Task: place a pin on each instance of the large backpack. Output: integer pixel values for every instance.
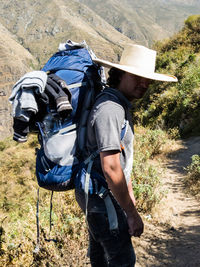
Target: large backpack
(63, 140)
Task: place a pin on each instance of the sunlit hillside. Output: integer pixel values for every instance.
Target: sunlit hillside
(176, 107)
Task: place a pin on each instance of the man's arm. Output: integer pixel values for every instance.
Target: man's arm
(110, 162)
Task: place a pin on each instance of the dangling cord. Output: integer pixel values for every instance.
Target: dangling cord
(50, 218)
(37, 248)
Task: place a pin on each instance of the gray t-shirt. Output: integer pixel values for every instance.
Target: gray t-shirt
(105, 123)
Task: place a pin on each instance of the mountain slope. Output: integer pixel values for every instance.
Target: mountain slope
(15, 60)
(42, 25)
(145, 21)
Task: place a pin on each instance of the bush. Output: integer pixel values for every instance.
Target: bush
(145, 185)
(193, 175)
(150, 143)
(175, 105)
(194, 168)
(146, 177)
(18, 196)
(193, 22)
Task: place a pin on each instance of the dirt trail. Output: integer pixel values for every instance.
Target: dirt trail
(172, 236)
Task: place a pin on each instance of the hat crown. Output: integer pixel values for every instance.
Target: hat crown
(139, 57)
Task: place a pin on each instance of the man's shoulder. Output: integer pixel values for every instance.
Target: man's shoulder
(108, 104)
(109, 98)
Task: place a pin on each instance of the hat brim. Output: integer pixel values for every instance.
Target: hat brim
(138, 72)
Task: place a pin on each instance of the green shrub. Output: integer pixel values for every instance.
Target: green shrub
(150, 142)
(146, 177)
(193, 22)
(194, 168)
(192, 179)
(145, 183)
(175, 105)
(170, 106)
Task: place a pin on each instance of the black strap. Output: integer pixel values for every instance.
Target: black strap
(118, 95)
(37, 248)
(50, 216)
(50, 220)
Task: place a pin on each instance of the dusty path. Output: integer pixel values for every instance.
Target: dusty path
(172, 236)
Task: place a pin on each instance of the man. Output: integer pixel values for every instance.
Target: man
(110, 241)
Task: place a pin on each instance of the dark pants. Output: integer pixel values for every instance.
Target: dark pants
(106, 248)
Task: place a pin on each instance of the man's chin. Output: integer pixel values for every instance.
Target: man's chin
(139, 96)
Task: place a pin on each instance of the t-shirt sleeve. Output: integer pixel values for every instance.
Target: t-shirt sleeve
(108, 123)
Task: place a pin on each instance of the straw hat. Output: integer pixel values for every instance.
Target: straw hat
(138, 60)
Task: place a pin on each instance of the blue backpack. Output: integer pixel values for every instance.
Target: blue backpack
(61, 156)
(63, 140)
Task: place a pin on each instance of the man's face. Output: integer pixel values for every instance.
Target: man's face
(132, 86)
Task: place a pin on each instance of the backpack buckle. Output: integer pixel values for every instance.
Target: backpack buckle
(103, 192)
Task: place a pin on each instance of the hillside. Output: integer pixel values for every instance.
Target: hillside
(145, 21)
(39, 26)
(176, 108)
(171, 216)
(42, 25)
(106, 25)
(15, 60)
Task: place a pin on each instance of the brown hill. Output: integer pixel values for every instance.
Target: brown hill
(145, 21)
(42, 25)
(15, 60)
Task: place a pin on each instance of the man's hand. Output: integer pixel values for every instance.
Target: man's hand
(135, 223)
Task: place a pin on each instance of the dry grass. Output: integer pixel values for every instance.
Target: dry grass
(18, 196)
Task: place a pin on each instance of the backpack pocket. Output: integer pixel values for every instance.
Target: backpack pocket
(53, 176)
(60, 148)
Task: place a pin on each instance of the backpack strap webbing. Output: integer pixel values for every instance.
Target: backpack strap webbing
(104, 193)
(89, 161)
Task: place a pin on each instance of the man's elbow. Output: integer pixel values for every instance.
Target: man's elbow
(110, 163)
(108, 170)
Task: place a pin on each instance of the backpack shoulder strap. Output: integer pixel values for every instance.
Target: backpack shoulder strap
(117, 95)
(124, 102)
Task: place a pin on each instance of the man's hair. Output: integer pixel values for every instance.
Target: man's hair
(114, 77)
